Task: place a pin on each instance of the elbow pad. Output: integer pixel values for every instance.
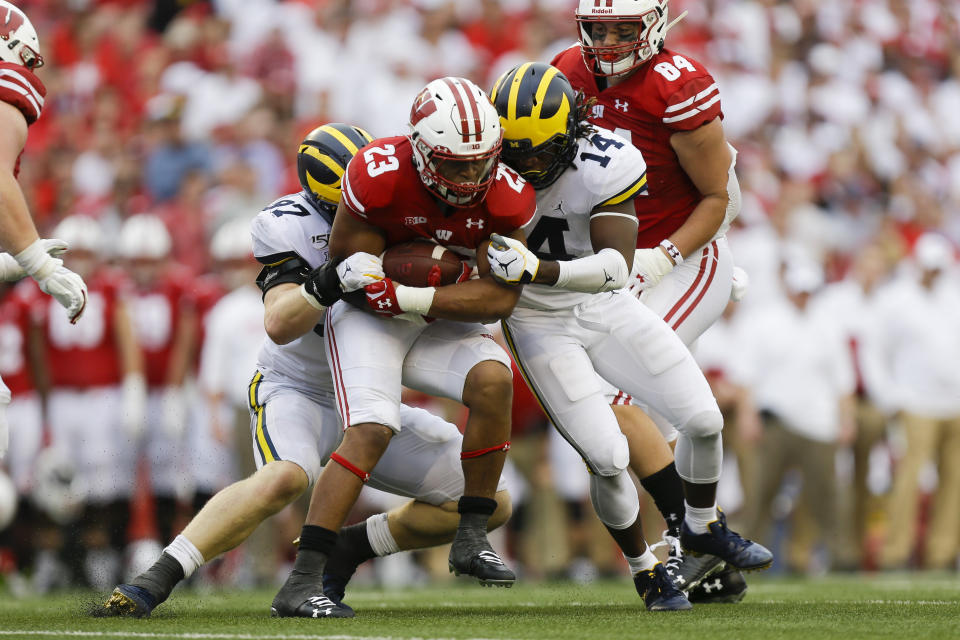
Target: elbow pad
(604, 271)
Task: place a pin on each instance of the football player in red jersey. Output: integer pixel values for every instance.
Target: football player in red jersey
(21, 99)
(96, 402)
(668, 105)
(443, 182)
(164, 321)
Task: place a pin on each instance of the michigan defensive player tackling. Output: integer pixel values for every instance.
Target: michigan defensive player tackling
(668, 105)
(293, 419)
(571, 323)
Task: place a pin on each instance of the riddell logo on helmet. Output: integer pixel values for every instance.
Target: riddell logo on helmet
(423, 106)
(10, 23)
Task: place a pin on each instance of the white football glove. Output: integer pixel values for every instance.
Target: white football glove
(649, 267)
(740, 284)
(10, 269)
(54, 279)
(134, 404)
(510, 261)
(359, 270)
(174, 411)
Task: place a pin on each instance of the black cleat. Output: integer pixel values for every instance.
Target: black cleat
(482, 563)
(686, 569)
(729, 546)
(659, 592)
(126, 601)
(301, 596)
(312, 607)
(725, 587)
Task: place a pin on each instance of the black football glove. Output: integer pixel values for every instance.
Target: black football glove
(323, 283)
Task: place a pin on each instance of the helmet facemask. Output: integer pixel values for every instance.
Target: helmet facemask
(461, 180)
(621, 58)
(543, 164)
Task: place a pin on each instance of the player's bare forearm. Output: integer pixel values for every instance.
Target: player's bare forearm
(17, 230)
(351, 235)
(131, 358)
(184, 345)
(286, 314)
(480, 300)
(705, 157)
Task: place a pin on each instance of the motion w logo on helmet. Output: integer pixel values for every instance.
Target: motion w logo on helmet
(423, 106)
(10, 23)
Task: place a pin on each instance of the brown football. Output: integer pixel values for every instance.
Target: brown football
(422, 264)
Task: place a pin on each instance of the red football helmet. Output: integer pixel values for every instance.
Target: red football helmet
(456, 137)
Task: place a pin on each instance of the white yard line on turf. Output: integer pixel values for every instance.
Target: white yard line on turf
(211, 636)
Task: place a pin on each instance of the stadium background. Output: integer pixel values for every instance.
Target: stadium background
(846, 116)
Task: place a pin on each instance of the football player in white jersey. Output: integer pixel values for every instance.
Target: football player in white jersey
(294, 423)
(572, 326)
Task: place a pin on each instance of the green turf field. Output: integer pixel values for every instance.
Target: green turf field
(848, 607)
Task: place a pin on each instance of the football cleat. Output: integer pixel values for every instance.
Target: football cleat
(658, 590)
(478, 559)
(729, 546)
(301, 596)
(723, 587)
(127, 601)
(686, 569)
(312, 607)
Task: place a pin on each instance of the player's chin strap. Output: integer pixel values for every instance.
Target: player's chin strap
(349, 466)
(674, 22)
(476, 453)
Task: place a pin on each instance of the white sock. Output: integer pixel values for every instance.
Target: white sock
(184, 552)
(697, 518)
(644, 562)
(378, 533)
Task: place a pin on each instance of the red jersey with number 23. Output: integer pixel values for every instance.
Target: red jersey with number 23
(668, 94)
(382, 187)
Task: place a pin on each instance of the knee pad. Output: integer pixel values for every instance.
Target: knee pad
(703, 424)
(615, 499)
(607, 456)
(699, 460)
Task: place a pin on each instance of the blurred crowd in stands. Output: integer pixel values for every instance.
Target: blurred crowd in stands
(837, 372)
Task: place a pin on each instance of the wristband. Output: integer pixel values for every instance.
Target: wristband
(313, 302)
(36, 261)
(415, 299)
(672, 251)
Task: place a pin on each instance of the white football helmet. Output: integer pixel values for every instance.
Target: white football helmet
(82, 233)
(144, 236)
(18, 39)
(232, 241)
(456, 137)
(614, 60)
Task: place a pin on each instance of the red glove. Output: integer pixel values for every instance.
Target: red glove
(382, 298)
